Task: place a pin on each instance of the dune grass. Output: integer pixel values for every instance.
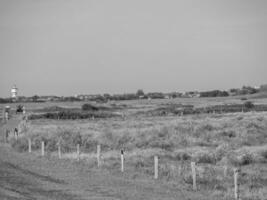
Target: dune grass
(213, 141)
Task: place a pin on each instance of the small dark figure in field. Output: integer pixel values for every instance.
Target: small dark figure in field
(19, 109)
(7, 134)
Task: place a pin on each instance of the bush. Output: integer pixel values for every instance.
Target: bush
(204, 157)
(19, 145)
(264, 154)
(51, 144)
(249, 105)
(89, 107)
(69, 140)
(221, 151)
(89, 144)
(246, 158)
(182, 156)
(229, 133)
(163, 144)
(240, 158)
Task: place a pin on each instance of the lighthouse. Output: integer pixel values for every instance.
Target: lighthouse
(14, 92)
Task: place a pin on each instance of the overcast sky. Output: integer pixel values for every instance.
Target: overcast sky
(63, 47)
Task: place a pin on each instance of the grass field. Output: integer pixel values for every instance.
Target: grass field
(213, 141)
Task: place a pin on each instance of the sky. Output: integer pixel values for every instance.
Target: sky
(68, 47)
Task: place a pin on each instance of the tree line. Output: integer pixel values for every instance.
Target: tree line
(140, 94)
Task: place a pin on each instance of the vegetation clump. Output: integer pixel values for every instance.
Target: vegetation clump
(89, 107)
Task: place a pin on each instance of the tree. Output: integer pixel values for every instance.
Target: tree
(140, 92)
(35, 98)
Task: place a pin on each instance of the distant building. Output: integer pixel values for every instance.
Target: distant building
(14, 92)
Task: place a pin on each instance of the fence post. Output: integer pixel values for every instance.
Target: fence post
(236, 173)
(16, 135)
(78, 151)
(29, 145)
(156, 166)
(43, 148)
(225, 171)
(181, 167)
(193, 166)
(122, 161)
(98, 155)
(59, 151)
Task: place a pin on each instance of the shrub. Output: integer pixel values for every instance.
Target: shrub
(69, 140)
(182, 156)
(264, 154)
(51, 144)
(249, 105)
(229, 134)
(246, 158)
(240, 158)
(124, 140)
(37, 140)
(163, 144)
(20, 145)
(89, 144)
(207, 127)
(221, 151)
(139, 164)
(89, 107)
(204, 157)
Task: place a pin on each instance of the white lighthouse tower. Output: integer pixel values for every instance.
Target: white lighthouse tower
(14, 92)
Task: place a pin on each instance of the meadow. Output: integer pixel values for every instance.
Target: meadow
(217, 142)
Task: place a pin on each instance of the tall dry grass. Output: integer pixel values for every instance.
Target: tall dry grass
(212, 141)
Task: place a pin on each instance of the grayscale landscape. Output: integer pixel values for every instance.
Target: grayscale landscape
(123, 100)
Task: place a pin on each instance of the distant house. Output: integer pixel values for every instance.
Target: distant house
(191, 94)
(166, 97)
(141, 96)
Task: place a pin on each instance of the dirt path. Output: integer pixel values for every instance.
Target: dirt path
(24, 176)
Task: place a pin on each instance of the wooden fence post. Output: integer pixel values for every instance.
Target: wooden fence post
(16, 135)
(29, 145)
(98, 155)
(236, 173)
(122, 161)
(59, 151)
(43, 148)
(156, 167)
(193, 166)
(78, 151)
(181, 167)
(225, 171)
